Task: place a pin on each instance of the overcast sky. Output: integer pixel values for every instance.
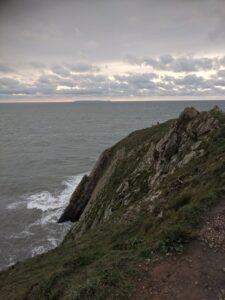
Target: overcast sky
(120, 49)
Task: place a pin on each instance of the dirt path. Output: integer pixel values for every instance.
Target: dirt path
(197, 274)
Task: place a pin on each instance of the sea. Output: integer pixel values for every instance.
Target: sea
(46, 148)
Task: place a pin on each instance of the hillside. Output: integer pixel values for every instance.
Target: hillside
(149, 221)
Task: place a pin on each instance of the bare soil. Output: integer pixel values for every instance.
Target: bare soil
(196, 274)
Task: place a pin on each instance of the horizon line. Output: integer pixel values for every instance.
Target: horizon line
(113, 100)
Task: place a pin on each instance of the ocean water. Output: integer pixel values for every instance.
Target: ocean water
(45, 149)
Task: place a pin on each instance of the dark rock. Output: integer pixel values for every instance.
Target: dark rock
(188, 114)
(84, 190)
(216, 109)
(77, 202)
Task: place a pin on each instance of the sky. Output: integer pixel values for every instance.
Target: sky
(53, 50)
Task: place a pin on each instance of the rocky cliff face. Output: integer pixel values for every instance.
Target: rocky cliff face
(128, 177)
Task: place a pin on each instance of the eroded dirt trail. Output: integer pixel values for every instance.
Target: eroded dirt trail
(197, 274)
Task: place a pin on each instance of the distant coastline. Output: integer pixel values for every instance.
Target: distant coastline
(165, 99)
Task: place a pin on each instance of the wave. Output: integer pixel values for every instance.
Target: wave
(47, 201)
(43, 233)
(15, 205)
(50, 204)
(21, 235)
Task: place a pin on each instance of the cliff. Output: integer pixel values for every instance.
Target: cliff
(152, 203)
(128, 178)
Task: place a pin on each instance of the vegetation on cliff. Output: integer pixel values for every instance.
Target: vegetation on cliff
(146, 198)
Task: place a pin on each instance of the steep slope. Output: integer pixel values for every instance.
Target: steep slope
(146, 198)
(129, 177)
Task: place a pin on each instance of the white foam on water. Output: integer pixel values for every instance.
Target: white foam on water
(53, 203)
(43, 201)
(47, 245)
(21, 235)
(53, 242)
(38, 250)
(16, 205)
(51, 206)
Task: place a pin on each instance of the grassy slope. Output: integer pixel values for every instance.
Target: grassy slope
(101, 264)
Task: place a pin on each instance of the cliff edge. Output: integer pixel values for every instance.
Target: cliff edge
(128, 178)
(149, 221)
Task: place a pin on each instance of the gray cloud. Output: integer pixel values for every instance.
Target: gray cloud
(177, 64)
(138, 82)
(222, 61)
(128, 85)
(189, 80)
(8, 82)
(83, 67)
(80, 67)
(6, 69)
(60, 70)
(221, 73)
(13, 87)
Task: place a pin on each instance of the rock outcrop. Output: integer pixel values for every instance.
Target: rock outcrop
(83, 192)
